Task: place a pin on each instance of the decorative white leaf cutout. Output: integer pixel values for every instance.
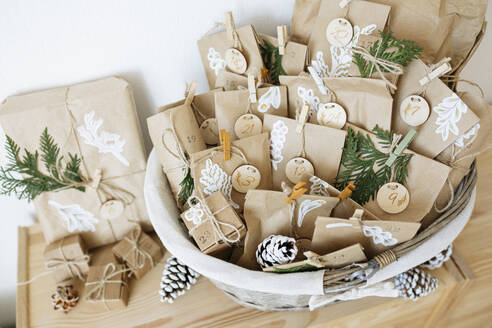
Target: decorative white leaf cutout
(106, 142)
(307, 96)
(318, 187)
(449, 113)
(306, 207)
(215, 179)
(277, 141)
(337, 225)
(270, 98)
(75, 217)
(460, 142)
(379, 236)
(215, 61)
(194, 214)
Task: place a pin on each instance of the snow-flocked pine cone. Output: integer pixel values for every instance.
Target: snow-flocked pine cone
(177, 277)
(438, 260)
(415, 283)
(276, 249)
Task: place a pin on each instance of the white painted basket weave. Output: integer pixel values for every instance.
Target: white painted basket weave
(269, 291)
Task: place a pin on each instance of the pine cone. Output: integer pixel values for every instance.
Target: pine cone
(415, 283)
(177, 278)
(438, 260)
(64, 299)
(275, 250)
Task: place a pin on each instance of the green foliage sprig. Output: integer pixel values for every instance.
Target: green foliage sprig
(398, 51)
(61, 174)
(359, 159)
(187, 185)
(272, 60)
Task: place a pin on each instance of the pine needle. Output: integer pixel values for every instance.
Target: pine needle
(187, 185)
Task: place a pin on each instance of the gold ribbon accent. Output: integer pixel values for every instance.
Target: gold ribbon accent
(136, 253)
(98, 292)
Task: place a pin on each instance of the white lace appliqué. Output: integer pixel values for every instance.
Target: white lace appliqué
(215, 179)
(318, 187)
(460, 142)
(306, 207)
(215, 61)
(194, 214)
(106, 142)
(270, 99)
(307, 96)
(449, 113)
(76, 218)
(379, 236)
(277, 141)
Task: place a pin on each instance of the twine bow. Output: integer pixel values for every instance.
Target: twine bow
(137, 254)
(180, 153)
(99, 291)
(72, 265)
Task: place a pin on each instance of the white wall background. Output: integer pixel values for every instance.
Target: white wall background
(151, 43)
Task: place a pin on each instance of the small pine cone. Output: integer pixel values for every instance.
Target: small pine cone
(177, 278)
(275, 250)
(415, 283)
(64, 299)
(438, 260)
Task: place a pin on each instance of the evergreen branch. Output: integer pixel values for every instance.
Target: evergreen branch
(187, 184)
(272, 60)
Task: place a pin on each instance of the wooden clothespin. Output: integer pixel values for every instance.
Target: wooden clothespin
(282, 38)
(346, 192)
(298, 190)
(344, 3)
(318, 80)
(358, 213)
(229, 23)
(252, 88)
(303, 116)
(401, 147)
(190, 93)
(225, 141)
(314, 259)
(443, 67)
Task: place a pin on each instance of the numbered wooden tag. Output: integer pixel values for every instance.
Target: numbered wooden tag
(247, 125)
(414, 110)
(245, 177)
(111, 209)
(235, 61)
(332, 115)
(339, 32)
(210, 131)
(297, 167)
(393, 198)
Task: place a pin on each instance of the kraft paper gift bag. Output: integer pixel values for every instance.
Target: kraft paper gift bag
(213, 49)
(294, 59)
(320, 145)
(332, 234)
(425, 179)
(175, 135)
(231, 81)
(367, 102)
(303, 18)
(96, 121)
(449, 116)
(267, 213)
(230, 106)
(212, 172)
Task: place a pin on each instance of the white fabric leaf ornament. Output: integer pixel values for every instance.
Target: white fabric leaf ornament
(318, 187)
(75, 217)
(449, 113)
(105, 142)
(270, 99)
(215, 179)
(277, 141)
(460, 142)
(194, 214)
(215, 61)
(379, 236)
(306, 207)
(307, 96)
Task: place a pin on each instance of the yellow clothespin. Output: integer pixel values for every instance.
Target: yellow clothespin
(225, 141)
(345, 193)
(443, 67)
(229, 22)
(344, 3)
(190, 93)
(282, 38)
(252, 88)
(303, 115)
(298, 190)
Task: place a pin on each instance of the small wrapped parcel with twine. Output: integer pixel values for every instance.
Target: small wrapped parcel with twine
(107, 285)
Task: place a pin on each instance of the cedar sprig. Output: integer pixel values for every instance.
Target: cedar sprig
(272, 59)
(360, 158)
(187, 184)
(32, 182)
(398, 51)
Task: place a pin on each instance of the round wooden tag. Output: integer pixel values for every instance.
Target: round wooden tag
(414, 110)
(210, 131)
(297, 167)
(393, 198)
(111, 209)
(247, 125)
(235, 61)
(339, 32)
(332, 115)
(245, 177)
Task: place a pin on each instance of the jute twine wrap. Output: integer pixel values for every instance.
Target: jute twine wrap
(72, 265)
(137, 254)
(98, 292)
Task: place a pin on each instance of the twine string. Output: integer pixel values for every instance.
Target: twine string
(98, 293)
(135, 252)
